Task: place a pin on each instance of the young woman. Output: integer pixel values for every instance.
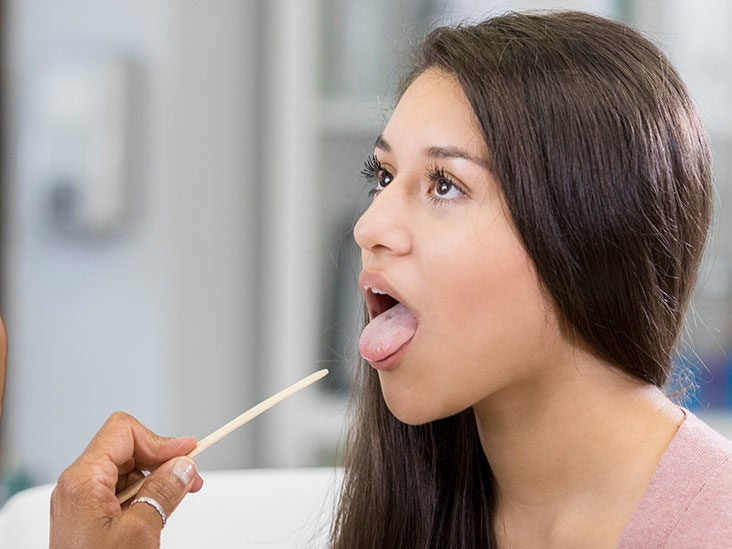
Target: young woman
(541, 203)
(542, 199)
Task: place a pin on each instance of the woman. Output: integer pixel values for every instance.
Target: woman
(542, 200)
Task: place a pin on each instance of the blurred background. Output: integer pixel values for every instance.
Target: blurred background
(179, 182)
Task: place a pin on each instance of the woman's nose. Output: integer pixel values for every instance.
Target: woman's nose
(384, 226)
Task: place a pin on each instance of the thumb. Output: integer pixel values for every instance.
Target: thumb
(167, 486)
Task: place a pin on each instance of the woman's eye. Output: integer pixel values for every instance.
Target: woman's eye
(375, 173)
(383, 178)
(446, 189)
(443, 187)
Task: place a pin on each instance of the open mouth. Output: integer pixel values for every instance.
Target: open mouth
(378, 301)
(392, 326)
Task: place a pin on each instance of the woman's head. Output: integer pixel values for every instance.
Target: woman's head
(472, 317)
(603, 164)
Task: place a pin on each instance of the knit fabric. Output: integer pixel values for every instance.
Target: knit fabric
(688, 503)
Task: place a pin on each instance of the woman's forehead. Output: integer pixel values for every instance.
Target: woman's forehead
(434, 113)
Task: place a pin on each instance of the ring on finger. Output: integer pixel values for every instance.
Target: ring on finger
(152, 502)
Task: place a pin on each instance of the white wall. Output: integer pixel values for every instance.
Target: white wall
(153, 319)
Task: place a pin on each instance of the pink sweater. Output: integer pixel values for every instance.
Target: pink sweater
(688, 503)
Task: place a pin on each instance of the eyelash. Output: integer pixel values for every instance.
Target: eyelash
(372, 168)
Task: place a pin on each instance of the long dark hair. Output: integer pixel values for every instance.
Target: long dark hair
(605, 168)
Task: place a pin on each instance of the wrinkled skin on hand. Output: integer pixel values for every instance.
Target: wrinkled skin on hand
(84, 507)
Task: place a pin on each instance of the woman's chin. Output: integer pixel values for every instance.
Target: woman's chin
(416, 413)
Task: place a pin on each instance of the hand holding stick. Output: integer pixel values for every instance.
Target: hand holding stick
(235, 423)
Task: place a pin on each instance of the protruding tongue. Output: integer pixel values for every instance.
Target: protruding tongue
(386, 333)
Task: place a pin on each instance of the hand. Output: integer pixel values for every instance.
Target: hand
(84, 508)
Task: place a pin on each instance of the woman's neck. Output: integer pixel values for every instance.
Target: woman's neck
(572, 454)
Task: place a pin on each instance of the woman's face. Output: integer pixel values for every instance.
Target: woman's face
(437, 237)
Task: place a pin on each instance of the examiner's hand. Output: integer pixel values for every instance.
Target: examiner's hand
(84, 507)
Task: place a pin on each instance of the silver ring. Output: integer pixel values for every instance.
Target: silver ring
(154, 504)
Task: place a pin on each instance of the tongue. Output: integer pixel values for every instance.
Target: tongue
(386, 333)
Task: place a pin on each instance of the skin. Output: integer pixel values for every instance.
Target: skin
(3, 362)
(84, 507)
(572, 441)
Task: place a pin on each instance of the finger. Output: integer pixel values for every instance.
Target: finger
(122, 438)
(122, 441)
(128, 480)
(168, 485)
(127, 467)
(197, 485)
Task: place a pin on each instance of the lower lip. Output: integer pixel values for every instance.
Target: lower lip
(393, 360)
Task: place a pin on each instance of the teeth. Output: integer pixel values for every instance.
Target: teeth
(377, 291)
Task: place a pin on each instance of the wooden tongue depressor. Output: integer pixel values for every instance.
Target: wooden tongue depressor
(234, 424)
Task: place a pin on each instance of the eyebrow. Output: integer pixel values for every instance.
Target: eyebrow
(439, 152)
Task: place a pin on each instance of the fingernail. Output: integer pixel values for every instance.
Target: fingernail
(185, 470)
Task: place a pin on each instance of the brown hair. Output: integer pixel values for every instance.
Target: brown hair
(605, 169)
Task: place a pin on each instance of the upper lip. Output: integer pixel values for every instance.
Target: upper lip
(376, 305)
